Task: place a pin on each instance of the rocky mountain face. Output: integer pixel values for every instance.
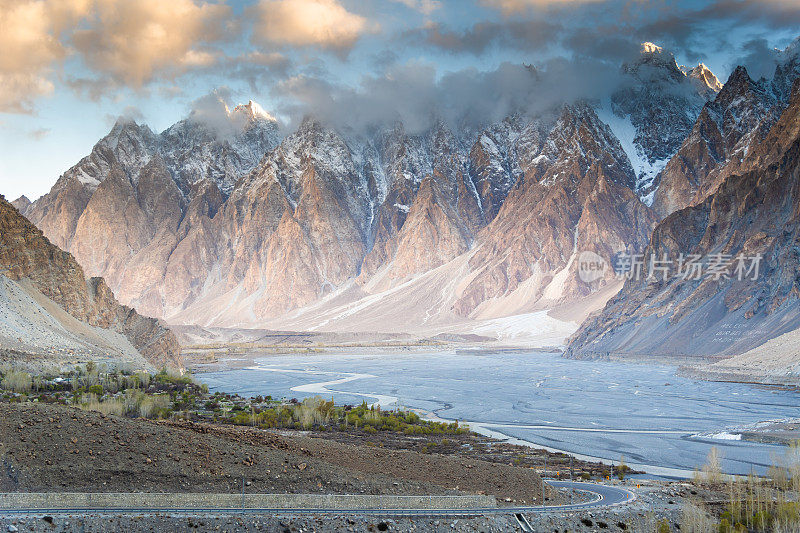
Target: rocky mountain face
(745, 235)
(232, 225)
(192, 149)
(22, 204)
(581, 186)
(123, 209)
(32, 264)
(725, 131)
(654, 110)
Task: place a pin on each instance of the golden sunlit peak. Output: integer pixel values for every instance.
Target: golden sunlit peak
(650, 48)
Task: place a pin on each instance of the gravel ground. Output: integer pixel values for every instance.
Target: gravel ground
(54, 448)
(180, 524)
(46, 448)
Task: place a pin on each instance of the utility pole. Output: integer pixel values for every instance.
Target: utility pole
(544, 475)
(571, 492)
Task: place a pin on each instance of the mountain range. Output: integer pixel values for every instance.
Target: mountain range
(741, 207)
(243, 223)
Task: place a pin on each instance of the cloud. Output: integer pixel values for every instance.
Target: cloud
(256, 68)
(525, 35)
(19, 90)
(39, 133)
(133, 42)
(89, 88)
(416, 95)
(123, 43)
(322, 23)
(212, 108)
(515, 6)
(426, 7)
(29, 47)
(215, 111)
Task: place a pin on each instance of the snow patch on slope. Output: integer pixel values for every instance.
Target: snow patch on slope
(536, 327)
(625, 132)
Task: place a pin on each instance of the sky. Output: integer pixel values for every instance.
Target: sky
(70, 68)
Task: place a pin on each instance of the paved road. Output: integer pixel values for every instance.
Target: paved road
(602, 496)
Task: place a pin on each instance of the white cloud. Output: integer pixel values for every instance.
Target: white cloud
(19, 90)
(29, 47)
(124, 42)
(322, 23)
(132, 42)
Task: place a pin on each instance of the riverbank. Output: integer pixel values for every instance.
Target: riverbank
(46, 447)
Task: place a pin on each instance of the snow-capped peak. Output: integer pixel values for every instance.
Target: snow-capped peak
(703, 74)
(790, 52)
(650, 48)
(254, 110)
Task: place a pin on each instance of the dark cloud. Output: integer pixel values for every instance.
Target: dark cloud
(525, 35)
(257, 68)
(776, 13)
(414, 94)
(93, 89)
(384, 59)
(602, 44)
(759, 58)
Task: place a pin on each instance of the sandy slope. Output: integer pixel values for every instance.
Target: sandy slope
(33, 324)
(423, 307)
(778, 358)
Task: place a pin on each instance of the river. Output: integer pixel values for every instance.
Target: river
(658, 421)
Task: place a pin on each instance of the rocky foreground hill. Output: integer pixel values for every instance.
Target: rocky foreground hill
(50, 313)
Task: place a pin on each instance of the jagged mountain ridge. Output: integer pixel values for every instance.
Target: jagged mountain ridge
(654, 110)
(325, 212)
(582, 185)
(726, 129)
(193, 150)
(753, 212)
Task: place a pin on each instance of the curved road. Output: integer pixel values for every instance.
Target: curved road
(603, 496)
